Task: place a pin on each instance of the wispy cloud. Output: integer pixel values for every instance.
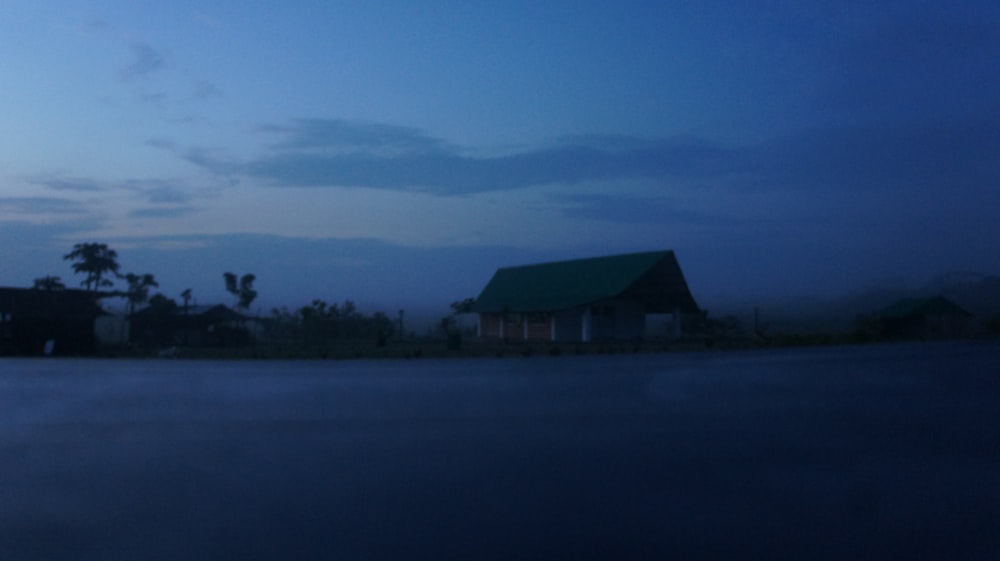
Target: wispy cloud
(337, 135)
(205, 90)
(162, 212)
(41, 205)
(159, 191)
(319, 153)
(68, 184)
(144, 61)
(887, 158)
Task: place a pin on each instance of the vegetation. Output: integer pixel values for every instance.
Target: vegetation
(49, 283)
(95, 260)
(243, 289)
(138, 289)
(321, 323)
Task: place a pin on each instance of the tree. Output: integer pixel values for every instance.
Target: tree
(462, 306)
(138, 289)
(186, 297)
(243, 289)
(137, 293)
(96, 260)
(49, 283)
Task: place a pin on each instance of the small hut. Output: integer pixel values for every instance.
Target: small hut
(924, 318)
(35, 322)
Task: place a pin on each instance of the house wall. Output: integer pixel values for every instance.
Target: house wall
(513, 327)
(71, 336)
(613, 320)
(489, 325)
(944, 326)
(930, 326)
(617, 320)
(569, 325)
(539, 326)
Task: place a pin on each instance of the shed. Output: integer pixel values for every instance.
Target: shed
(598, 298)
(30, 318)
(924, 318)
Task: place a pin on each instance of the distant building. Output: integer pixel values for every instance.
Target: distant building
(213, 325)
(35, 322)
(595, 299)
(924, 318)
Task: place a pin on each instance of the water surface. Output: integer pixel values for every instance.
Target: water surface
(833, 453)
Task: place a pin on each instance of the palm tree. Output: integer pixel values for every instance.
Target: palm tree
(243, 290)
(138, 289)
(96, 260)
(137, 293)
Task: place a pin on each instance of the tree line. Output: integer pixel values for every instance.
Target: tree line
(100, 268)
(312, 324)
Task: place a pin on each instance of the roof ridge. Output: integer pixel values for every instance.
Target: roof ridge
(592, 258)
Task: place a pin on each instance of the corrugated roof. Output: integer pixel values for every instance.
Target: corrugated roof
(653, 278)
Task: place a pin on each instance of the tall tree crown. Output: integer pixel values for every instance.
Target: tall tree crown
(96, 261)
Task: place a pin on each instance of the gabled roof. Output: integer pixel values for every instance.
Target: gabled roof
(910, 307)
(653, 278)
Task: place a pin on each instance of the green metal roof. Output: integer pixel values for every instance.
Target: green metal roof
(654, 278)
(909, 307)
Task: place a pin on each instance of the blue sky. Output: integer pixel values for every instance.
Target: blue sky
(396, 153)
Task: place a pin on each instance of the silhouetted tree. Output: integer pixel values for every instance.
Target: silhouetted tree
(138, 289)
(96, 260)
(462, 306)
(137, 293)
(49, 283)
(243, 289)
(186, 297)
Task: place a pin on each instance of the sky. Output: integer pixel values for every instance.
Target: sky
(397, 153)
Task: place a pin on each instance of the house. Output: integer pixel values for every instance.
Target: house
(595, 299)
(924, 318)
(211, 325)
(35, 322)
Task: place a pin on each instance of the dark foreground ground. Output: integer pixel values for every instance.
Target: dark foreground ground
(889, 452)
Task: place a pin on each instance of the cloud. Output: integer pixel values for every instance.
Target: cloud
(884, 158)
(161, 144)
(41, 205)
(205, 90)
(162, 212)
(353, 136)
(144, 61)
(159, 191)
(321, 153)
(69, 184)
